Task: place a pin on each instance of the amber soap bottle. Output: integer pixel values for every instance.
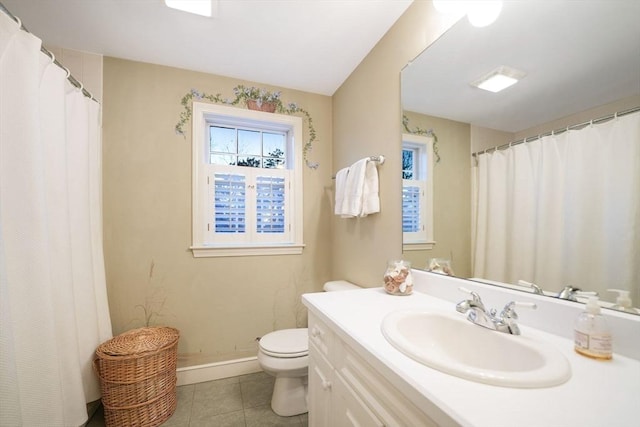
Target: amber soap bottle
(592, 336)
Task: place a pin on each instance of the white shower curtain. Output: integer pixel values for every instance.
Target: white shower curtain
(562, 210)
(53, 302)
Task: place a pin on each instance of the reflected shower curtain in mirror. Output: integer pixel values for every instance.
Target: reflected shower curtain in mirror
(53, 302)
(562, 210)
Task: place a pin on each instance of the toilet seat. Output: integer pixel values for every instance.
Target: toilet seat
(286, 343)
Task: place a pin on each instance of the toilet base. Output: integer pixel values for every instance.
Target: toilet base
(289, 396)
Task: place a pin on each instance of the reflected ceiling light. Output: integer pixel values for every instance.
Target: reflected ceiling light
(199, 7)
(480, 13)
(483, 13)
(499, 79)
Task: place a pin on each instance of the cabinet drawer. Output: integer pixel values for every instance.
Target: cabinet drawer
(349, 410)
(379, 394)
(321, 336)
(320, 389)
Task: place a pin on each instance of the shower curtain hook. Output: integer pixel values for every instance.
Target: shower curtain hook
(67, 70)
(53, 58)
(19, 22)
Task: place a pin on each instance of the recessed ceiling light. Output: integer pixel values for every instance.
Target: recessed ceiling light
(499, 79)
(199, 7)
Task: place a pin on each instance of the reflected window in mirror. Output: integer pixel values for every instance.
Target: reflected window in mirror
(417, 192)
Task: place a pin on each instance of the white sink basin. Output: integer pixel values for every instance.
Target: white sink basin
(454, 345)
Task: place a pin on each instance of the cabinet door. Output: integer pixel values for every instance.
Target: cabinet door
(321, 336)
(320, 389)
(348, 409)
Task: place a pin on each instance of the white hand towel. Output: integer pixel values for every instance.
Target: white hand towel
(341, 180)
(370, 197)
(353, 192)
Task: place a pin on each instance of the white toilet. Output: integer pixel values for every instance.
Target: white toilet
(285, 355)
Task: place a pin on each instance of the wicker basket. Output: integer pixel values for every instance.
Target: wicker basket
(137, 371)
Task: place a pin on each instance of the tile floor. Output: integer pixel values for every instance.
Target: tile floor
(243, 401)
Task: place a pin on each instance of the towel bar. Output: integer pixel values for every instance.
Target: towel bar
(378, 159)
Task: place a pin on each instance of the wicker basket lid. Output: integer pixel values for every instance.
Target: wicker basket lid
(137, 341)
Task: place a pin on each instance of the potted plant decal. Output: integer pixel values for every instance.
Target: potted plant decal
(254, 99)
(258, 99)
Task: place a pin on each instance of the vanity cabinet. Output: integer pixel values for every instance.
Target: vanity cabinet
(344, 390)
(357, 377)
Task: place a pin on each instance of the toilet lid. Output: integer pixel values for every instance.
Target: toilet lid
(286, 343)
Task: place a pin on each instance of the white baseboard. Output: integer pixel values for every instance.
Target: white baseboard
(218, 370)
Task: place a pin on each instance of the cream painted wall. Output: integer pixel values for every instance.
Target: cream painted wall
(584, 116)
(367, 120)
(220, 305)
(84, 66)
(451, 196)
(483, 138)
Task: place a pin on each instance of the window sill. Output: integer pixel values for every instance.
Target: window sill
(418, 246)
(227, 251)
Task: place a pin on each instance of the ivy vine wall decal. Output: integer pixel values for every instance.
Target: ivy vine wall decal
(253, 98)
(423, 132)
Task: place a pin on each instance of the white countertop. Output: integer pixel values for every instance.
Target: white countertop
(599, 393)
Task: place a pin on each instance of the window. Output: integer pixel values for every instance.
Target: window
(417, 192)
(247, 182)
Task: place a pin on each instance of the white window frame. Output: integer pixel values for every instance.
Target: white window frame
(205, 114)
(423, 174)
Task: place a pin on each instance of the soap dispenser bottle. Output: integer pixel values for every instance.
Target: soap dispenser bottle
(592, 334)
(623, 302)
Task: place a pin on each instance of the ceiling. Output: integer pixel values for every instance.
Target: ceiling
(577, 55)
(310, 45)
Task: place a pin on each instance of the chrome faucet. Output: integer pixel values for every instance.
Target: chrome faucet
(569, 293)
(475, 308)
(476, 313)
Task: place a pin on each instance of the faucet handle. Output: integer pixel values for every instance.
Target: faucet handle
(475, 301)
(474, 295)
(586, 293)
(509, 310)
(536, 289)
(508, 317)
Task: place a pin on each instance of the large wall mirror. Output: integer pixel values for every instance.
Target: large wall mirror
(497, 217)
